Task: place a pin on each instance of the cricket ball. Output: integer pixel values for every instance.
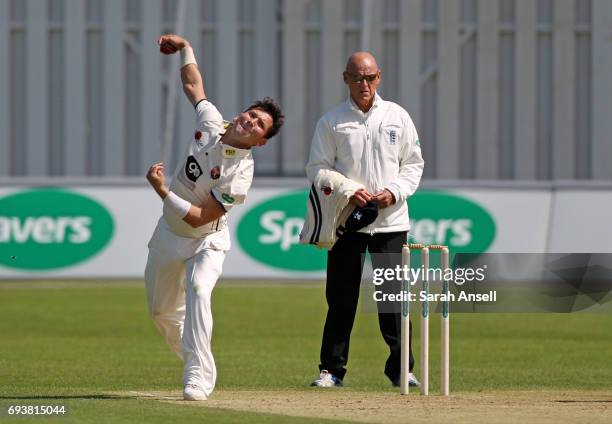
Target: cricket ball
(167, 47)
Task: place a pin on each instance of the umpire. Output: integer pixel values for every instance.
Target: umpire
(373, 142)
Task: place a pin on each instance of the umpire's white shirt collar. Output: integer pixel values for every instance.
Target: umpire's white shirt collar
(377, 102)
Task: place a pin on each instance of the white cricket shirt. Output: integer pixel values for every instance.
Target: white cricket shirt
(210, 168)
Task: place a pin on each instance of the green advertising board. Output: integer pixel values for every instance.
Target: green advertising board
(269, 232)
(47, 229)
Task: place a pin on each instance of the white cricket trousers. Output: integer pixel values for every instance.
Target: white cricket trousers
(183, 315)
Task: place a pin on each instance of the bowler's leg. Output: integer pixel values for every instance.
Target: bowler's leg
(202, 273)
(166, 297)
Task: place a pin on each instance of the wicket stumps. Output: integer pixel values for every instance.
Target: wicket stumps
(444, 330)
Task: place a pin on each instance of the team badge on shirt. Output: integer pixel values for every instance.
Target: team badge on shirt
(192, 169)
(392, 137)
(215, 173)
(198, 138)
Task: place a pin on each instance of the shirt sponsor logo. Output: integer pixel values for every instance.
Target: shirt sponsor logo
(229, 199)
(192, 169)
(229, 153)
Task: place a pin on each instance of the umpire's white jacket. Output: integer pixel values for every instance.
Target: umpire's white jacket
(379, 149)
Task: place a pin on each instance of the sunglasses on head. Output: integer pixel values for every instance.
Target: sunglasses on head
(359, 78)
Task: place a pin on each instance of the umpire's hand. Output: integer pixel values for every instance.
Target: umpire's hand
(383, 198)
(360, 198)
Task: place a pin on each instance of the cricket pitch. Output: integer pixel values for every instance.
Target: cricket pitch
(369, 407)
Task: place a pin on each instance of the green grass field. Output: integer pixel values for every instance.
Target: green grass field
(80, 344)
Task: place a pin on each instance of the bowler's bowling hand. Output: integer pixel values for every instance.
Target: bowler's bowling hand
(171, 43)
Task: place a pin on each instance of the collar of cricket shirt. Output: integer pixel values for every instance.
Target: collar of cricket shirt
(354, 107)
(227, 151)
(231, 152)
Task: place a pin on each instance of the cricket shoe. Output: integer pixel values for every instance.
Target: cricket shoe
(327, 379)
(193, 392)
(412, 381)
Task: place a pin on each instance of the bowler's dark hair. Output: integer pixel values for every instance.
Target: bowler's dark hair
(269, 105)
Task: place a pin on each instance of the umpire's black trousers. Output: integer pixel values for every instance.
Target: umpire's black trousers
(344, 267)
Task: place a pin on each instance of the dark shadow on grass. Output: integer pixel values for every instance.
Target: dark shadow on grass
(51, 397)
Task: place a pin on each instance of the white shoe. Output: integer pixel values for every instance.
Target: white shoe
(193, 392)
(327, 379)
(412, 381)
